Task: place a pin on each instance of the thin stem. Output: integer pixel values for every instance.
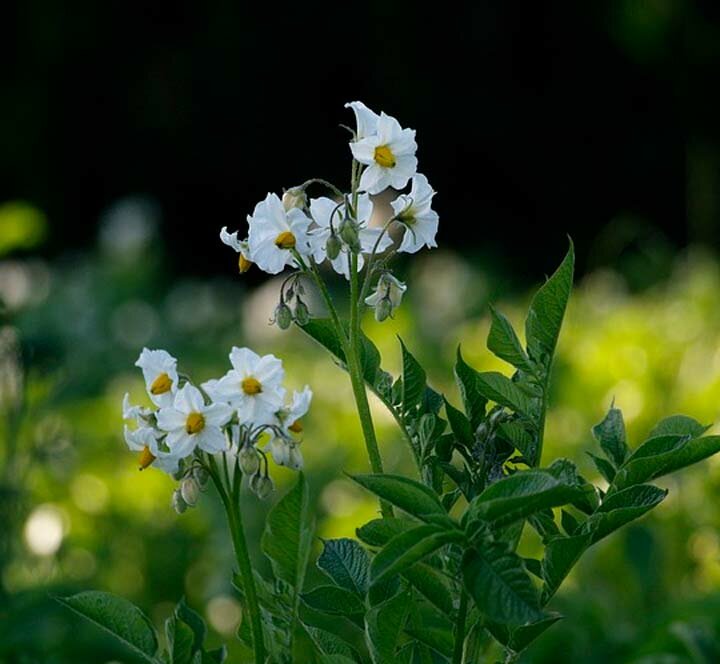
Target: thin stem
(371, 260)
(460, 629)
(237, 533)
(324, 183)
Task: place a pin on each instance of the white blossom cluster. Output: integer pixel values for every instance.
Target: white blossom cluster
(294, 231)
(230, 414)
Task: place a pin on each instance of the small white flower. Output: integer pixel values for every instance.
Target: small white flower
(389, 155)
(241, 246)
(414, 211)
(160, 372)
(191, 423)
(274, 232)
(322, 209)
(388, 292)
(253, 386)
(145, 441)
(365, 119)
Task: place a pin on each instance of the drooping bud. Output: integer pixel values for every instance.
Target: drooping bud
(333, 246)
(294, 198)
(248, 459)
(177, 502)
(283, 316)
(201, 476)
(349, 235)
(383, 309)
(302, 314)
(295, 459)
(261, 485)
(190, 491)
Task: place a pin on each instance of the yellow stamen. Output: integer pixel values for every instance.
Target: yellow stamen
(244, 264)
(146, 458)
(195, 423)
(286, 240)
(161, 385)
(296, 426)
(251, 386)
(384, 156)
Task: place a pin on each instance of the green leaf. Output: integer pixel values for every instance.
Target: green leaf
(547, 310)
(336, 659)
(216, 656)
(437, 638)
(504, 343)
(473, 400)
(408, 548)
(518, 496)
(623, 507)
(517, 434)
(193, 620)
(383, 625)
(180, 639)
(410, 496)
(287, 537)
(331, 645)
(379, 532)
(604, 467)
(569, 522)
(561, 554)
(125, 621)
(414, 378)
(679, 425)
(346, 563)
(519, 638)
(500, 389)
(663, 455)
(496, 579)
(610, 433)
(432, 586)
(460, 425)
(334, 600)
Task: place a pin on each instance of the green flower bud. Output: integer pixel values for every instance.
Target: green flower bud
(283, 316)
(294, 198)
(190, 491)
(261, 485)
(201, 476)
(177, 502)
(333, 247)
(383, 309)
(302, 314)
(248, 459)
(349, 235)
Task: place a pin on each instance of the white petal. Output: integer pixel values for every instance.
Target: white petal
(230, 239)
(217, 414)
(244, 360)
(169, 419)
(365, 119)
(364, 150)
(374, 179)
(212, 440)
(180, 443)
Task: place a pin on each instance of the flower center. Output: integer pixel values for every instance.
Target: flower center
(286, 240)
(296, 427)
(161, 385)
(243, 264)
(251, 386)
(384, 156)
(146, 458)
(195, 423)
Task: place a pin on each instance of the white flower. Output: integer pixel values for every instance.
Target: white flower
(241, 246)
(284, 450)
(274, 232)
(190, 423)
(253, 386)
(321, 209)
(388, 293)
(414, 211)
(389, 155)
(136, 414)
(145, 441)
(365, 119)
(160, 372)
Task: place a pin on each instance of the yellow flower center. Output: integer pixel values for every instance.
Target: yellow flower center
(384, 156)
(163, 383)
(146, 458)
(296, 427)
(244, 264)
(251, 386)
(195, 423)
(286, 240)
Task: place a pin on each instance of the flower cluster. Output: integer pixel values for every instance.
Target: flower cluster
(233, 414)
(302, 233)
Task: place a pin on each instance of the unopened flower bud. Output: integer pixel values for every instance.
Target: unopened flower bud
(294, 198)
(178, 503)
(349, 235)
(383, 309)
(201, 476)
(190, 491)
(283, 316)
(295, 459)
(248, 459)
(302, 315)
(261, 485)
(333, 247)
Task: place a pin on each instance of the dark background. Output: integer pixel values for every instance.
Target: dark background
(598, 119)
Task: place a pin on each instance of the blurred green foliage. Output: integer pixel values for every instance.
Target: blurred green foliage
(77, 513)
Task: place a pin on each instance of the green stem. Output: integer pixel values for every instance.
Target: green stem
(460, 629)
(242, 556)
